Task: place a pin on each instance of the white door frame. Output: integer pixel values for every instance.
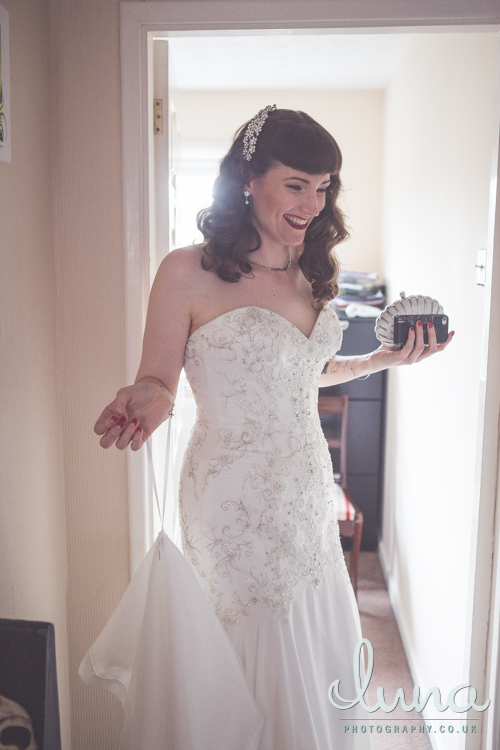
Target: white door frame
(138, 21)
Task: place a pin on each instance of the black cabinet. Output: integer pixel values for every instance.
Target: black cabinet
(365, 440)
(28, 679)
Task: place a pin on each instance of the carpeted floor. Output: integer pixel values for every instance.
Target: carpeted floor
(390, 669)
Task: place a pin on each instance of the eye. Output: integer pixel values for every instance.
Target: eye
(295, 187)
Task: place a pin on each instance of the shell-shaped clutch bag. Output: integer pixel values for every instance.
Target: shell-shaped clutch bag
(415, 305)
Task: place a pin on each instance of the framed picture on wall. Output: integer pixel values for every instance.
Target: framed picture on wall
(4, 86)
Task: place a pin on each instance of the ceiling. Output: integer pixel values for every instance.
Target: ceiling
(291, 61)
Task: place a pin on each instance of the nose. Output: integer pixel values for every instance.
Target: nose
(311, 203)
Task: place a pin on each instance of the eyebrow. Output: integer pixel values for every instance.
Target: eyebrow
(301, 179)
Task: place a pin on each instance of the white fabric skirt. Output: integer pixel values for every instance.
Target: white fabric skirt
(290, 666)
(187, 684)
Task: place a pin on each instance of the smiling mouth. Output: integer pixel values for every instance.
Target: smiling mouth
(296, 222)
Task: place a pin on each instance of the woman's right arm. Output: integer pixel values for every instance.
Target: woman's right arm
(340, 369)
(139, 409)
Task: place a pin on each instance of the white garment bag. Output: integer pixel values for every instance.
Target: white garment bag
(166, 656)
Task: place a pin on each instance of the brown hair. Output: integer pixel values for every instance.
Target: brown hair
(299, 142)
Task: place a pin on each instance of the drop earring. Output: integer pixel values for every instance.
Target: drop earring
(247, 196)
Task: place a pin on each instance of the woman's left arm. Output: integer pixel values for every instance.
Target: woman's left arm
(342, 369)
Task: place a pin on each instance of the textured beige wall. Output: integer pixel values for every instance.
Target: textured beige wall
(32, 516)
(89, 267)
(355, 119)
(440, 132)
(61, 363)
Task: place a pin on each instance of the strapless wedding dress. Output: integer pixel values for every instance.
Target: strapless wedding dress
(273, 619)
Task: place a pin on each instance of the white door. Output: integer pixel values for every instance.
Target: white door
(163, 169)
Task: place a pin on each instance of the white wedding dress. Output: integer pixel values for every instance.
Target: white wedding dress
(236, 648)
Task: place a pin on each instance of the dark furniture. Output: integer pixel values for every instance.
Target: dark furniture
(366, 431)
(350, 527)
(28, 677)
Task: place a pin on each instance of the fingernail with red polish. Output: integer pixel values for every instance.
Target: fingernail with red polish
(419, 324)
(114, 418)
(429, 325)
(121, 423)
(412, 329)
(134, 422)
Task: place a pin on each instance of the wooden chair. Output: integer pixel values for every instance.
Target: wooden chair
(349, 516)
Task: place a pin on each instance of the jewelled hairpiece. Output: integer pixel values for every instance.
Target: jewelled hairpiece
(253, 129)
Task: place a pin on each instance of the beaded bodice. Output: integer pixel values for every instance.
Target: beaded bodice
(256, 499)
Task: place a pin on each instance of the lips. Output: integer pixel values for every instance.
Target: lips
(296, 222)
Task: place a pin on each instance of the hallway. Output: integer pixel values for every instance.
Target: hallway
(390, 668)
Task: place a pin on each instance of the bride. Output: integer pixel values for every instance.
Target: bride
(246, 314)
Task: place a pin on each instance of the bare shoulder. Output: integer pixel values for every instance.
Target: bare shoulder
(179, 283)
(182, 264)
(180, 276)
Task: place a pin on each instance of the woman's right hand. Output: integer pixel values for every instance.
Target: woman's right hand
(134, 415)
(139, 409)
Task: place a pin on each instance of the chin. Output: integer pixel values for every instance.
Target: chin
(297, 241)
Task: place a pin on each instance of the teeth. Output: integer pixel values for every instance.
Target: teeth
(294, 220)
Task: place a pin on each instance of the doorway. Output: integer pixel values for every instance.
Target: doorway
(473, 570)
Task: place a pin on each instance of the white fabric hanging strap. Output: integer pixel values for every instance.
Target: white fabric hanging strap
(161, 511)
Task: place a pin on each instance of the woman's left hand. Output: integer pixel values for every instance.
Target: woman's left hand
(413, 351)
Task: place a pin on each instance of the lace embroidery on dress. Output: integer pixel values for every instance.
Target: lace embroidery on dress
(256, 499)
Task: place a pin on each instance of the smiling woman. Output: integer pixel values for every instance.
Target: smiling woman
(245, 314)
(291, 177)
(285, 198)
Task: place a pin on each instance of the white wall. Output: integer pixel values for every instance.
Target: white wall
(64, 543)
(33, 580)
(438, 150)
(354, 118)
(89, 264)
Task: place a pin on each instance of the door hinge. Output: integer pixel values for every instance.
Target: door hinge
(158, 116)
(481, 267)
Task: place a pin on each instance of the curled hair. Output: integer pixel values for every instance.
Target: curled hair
(299, 142)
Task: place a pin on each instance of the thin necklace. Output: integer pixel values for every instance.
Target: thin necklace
(270, 268)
